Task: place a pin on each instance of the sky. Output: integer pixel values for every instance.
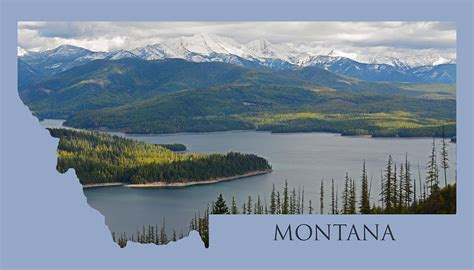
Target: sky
(363, 38)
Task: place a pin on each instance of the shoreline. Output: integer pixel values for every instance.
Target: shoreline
(111, 184)
(193, 183)
(178, 184)
(125, 134)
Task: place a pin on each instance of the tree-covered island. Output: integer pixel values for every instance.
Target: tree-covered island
(103, 159)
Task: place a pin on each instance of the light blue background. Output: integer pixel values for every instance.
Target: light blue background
(46, 221)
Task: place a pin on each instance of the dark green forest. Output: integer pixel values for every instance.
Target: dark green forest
(172, 95)
(102, 158)
(277, 109)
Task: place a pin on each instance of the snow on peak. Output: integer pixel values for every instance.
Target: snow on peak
(204, 44)
(262, 48)
(66, 50)
(120, 54)
(438, 60)
(149, 52)
(337, 53)
(211, 47)
(406, 62)
(21, 51)
(288, 52)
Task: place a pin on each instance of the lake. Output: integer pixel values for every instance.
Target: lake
(304, 159)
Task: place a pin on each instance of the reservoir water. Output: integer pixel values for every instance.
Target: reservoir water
(303, 159)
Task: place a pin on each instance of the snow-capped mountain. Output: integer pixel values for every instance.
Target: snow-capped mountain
(188, 47)
(58, 59)
(408, 62)
(119, 55)
(257, 53)
(427, 60)
(149, 52)
(340, 54)
(21, 51)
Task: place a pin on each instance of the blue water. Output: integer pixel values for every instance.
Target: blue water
(304, 159)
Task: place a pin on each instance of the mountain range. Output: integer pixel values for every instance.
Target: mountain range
(204, 47)
(210, 83)
(108, 83)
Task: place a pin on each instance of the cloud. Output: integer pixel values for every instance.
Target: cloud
(368, 37)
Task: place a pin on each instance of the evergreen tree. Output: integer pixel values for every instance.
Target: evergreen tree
(401, 183)
(395, 198)
(265, 202)
(273, 204)
(293, 202)
(220, 207)
(387, 185)
(437, 175)
(420, 182)
(122, 241)
(298, 202)
(346, 196)
(234, 208)
(204, 227)
(321, 198)
(259, 206)
(151, 234)
(352, 197)
(432, 176)
(249, 205)
(302, 201)
(364, 199)
(414, 193)
(163, 238)
(382, 191)
(194, 225)
(444, 158)
(310, 207)
(278, 211)
(409, 187)
(285, 207)
(333, 199)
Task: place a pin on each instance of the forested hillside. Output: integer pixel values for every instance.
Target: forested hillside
(277, 109)
(174, 95)
(105, 83)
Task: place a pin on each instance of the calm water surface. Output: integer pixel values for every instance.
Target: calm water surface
(304, 159)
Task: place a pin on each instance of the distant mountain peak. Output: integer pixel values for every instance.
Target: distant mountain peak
(22, 52)
(67, 50)
(338, 53)
(202, 46)
(120, 54)
(208, 47)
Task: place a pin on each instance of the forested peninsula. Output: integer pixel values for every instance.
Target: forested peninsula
(102, 160)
